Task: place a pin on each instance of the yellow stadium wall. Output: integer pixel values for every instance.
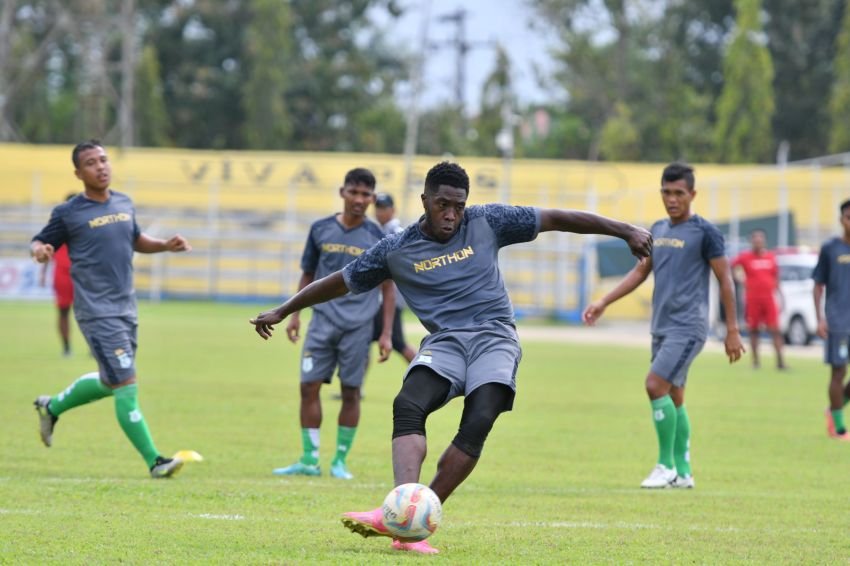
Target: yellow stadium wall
(307, 182)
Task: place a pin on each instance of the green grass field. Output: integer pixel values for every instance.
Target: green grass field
(557, 483)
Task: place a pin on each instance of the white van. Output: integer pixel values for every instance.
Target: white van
(797, 318)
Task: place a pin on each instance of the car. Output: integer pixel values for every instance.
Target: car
(798, 320)
(797, 317)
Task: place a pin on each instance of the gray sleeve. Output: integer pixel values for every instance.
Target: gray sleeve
(369, 269)
(310, 257)
(512, 224)
(713, 245)
(56, 232)
(821, 272)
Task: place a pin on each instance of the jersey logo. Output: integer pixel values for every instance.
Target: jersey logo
(330, 248)
(844, 258)
(443, 260)
(668, 243)
(423, 358)
(109, 219)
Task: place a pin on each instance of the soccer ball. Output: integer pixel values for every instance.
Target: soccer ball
(412, 512)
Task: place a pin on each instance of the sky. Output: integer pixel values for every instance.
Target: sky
(487, 21)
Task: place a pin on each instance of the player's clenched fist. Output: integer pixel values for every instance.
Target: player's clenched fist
(41, 252)
(640, 242)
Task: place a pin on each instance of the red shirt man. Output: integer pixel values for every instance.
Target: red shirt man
(62, 284)
(762, 283)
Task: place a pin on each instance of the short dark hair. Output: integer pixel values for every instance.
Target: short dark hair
(677, 171)
(384, 200)
(758, 231)
(81, 147)
(446, 173)
(360, 176)
(844, 206)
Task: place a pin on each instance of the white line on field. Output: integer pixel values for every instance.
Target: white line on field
(19, 512)
(220, 517)
(621, 525)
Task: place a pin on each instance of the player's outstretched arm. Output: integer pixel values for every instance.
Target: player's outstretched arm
(146, 245)
(41, 252)
(630, 282)
(320, 291)
(734, 346)
(639, 239)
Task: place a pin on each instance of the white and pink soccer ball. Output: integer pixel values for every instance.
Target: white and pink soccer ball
(412, 512)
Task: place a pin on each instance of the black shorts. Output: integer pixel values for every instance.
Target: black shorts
(399, 343)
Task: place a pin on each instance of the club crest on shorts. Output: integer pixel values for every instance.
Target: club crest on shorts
(307, 364)
(124, 358)
(425, 357)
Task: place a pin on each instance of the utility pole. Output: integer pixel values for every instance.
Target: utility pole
(462, 47)
(411, 134)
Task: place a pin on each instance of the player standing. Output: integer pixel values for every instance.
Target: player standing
(446, 266)
(340, 331)
(761, 287)
(832, 274)
(685, 248)
(99, 229)
(385, 214)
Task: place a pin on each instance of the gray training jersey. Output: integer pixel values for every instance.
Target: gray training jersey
(100, 237)
(833, 270)
(680, 265)
(450, 285)
(330, 247)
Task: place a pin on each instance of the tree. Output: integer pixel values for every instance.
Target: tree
(743, 130)
(839, 102)
(267, 49)
(151, 116)
(341, 68)
(619, 139)
(497, 97)
(802, 41)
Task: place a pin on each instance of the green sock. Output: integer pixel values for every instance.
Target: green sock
(838, 419)
(682, 444)
(86, 389)
(133, 422)
(664, 415)
(344, 438)
(310, 442)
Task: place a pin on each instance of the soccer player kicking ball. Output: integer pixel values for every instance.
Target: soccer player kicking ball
(832, 274)
(685, 248)
(100, 231)
(446, 267)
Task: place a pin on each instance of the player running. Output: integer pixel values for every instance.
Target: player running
(100, 231)
(832, 274)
